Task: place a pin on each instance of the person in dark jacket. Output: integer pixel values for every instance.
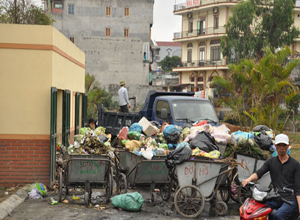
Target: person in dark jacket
(92, 124)
(285, 172)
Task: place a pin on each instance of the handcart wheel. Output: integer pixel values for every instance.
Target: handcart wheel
(243, 194)
(224, 194)
(165, 192)
(153, 198)
(86, 198)
(221, 208)
(60, 187)
(122, 184)
(109, 187)
(189, 201)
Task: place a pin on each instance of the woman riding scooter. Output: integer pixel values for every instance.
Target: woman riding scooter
(285, 172)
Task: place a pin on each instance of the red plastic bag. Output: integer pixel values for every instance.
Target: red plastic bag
(201, 123)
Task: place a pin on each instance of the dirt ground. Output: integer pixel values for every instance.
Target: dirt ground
(5, 192)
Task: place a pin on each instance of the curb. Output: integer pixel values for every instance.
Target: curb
(12, 202)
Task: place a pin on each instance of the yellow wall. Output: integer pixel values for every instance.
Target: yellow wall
(33, 58)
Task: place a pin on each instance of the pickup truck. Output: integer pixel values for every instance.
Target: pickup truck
(175, 108)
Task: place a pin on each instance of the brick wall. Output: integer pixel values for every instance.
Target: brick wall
(24, 161)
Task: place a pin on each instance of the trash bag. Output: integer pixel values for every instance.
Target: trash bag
(123, 133)
(178, 156)
(186, 125)
(40, 187)
(136, 127)
(133, 145)
(182, 144)
(204, 141)
(259, 128)
(170, 130)
(173, 138)
(103, 137)
(263, 140)
(100, 130)
(129, 201)
(134, 135)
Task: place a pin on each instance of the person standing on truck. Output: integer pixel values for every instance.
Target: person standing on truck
(285, 172)
(92, 124)
(123, 98)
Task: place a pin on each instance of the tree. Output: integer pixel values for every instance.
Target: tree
(169, 62)
(257, 24)
(257, 90)
(23, 12)
(97, 95)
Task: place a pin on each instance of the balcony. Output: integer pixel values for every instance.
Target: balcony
(199, 32)
(182, 6)
(207, 63)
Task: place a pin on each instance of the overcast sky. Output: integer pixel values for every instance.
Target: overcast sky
(165, 24)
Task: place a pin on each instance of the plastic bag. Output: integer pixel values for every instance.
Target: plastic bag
(148, 154)
(123, 133)
(35, 194)
(99, 130)
(40, 187)
(204, 141)
(133, 145)
(134, 135)
(178, 156)
(173, 138)
(182, 144)
(136, 127)
(263, 140)
(129, 201)
(213, 154)
(170, 130)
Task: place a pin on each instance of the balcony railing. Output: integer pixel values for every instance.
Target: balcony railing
(203, 63)
(182, 6)
(199, 32)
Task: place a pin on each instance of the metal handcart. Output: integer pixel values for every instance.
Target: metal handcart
(199, 180)
(87, 171)
(135, 170)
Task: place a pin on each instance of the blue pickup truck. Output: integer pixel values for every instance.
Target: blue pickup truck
(172, 107)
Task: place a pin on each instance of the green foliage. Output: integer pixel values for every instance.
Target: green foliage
(23, 12)
(170, 62)
(257, 24)
(97, 95)
(258, 89)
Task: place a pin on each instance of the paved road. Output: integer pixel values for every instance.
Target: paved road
(41, 209)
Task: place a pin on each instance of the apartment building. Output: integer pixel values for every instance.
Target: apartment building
(202, 29)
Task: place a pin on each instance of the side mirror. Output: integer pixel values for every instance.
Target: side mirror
(221, 117)
(164, 113)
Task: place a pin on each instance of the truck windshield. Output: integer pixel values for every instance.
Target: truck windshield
(194, 110)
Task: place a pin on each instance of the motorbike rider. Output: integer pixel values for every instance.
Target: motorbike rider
(285, 172)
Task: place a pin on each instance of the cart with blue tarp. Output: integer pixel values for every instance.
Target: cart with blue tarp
(135, 170)
(87, 172)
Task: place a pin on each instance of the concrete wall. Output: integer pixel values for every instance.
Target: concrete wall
(115, 58)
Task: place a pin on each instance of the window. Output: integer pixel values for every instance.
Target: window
(72, 39)
(215, 53)
(200, 79)
(189, 55)
(190, 27)
(160, 105)
(202, 54)
(216, 21)
(108, 11)
(107, 34)
(192, 77)
(126, 32)
(71, 9)
(126, 12)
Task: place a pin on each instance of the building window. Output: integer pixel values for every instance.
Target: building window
(108, 11)
(202, 43)
(71, 9)
(192, 79)
(216, 21)
(190, 27)
(126, 32)
(202, 54)
(126, 12)
(107, 34)
(215, 42)
(72, 39)
(189, 55)
(200, 79)
(169, 53)
(215, 53)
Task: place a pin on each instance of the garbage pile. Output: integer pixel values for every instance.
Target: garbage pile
(149, 139)
(256, 143)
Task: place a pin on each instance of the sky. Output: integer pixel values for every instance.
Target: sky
(165, 24)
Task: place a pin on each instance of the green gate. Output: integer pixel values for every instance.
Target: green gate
(66, 118)
(53, 128)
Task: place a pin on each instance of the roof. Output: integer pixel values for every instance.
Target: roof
(168, 44)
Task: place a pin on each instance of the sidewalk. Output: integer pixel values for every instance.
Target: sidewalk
(13, 201)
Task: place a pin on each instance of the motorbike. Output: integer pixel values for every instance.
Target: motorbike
(254, 208)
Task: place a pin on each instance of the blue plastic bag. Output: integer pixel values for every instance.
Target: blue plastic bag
(136, 127)
(170, 130)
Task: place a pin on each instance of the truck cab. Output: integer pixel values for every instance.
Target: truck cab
(179, 110)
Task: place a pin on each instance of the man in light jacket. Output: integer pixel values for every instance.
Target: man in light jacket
(123, 98)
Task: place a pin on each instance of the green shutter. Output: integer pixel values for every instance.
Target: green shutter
(66, 118)
(84, 110)
(53, 128)
(77, 104)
